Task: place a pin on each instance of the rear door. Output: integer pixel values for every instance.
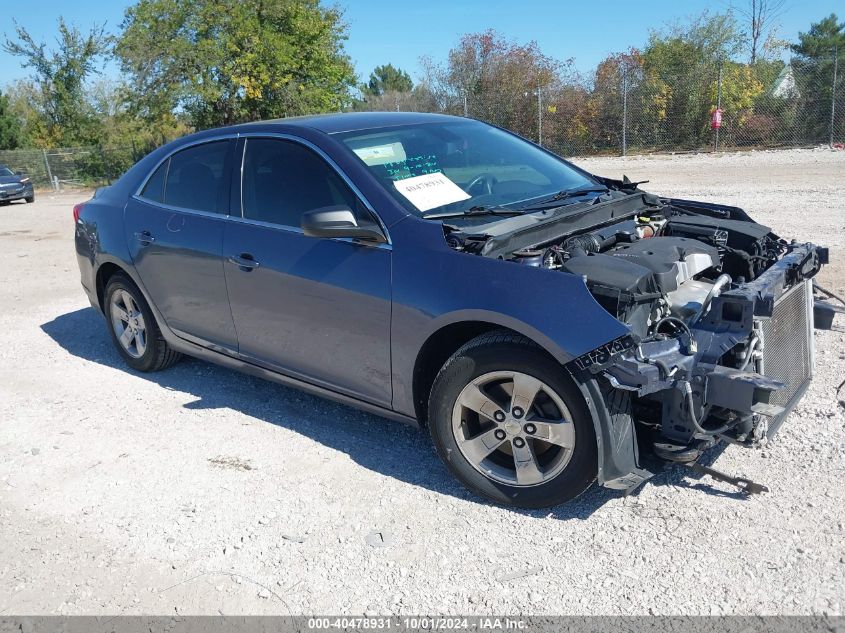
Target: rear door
(174, 228)
(314, 308)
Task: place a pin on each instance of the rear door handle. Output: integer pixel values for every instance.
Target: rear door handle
(145, 238)
(245, 261)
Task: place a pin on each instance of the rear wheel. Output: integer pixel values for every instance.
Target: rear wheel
(133, 328)
(511, 425)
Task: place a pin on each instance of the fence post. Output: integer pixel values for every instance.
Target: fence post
(624, 111)
(718, 103)
(49, 173)
(466, 108)
(833, 94)
(539, 116)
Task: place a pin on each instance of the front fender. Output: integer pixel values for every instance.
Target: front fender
(435, 286)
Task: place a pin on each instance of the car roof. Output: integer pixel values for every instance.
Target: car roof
(332, 123)
(354, 121)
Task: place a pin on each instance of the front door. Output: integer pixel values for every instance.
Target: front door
(315, 308)
(174, 229)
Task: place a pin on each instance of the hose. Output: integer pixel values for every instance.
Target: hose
(696, 424)
(692, 346)
(749, 352)
(828, 293)
(715, 291)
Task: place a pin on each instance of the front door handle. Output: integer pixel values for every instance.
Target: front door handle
(244, 261)
(145, 238)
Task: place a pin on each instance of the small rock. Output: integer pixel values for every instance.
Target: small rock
(378, 539)
(521, 573)
(35, 451)
(170, 539)
(293, 538)
(264, 594)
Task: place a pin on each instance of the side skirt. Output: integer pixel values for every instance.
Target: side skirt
(223, 360)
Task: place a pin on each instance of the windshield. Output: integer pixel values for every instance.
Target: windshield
(5, 171)
(432, 168)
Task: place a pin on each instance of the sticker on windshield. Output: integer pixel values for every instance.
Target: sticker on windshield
(430, 190)
(381, 154)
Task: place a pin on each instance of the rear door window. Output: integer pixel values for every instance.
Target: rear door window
(197, 178)
(154, 189)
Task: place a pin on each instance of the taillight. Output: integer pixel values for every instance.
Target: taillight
(77, 209)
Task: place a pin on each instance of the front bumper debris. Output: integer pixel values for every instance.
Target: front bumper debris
(686, 393)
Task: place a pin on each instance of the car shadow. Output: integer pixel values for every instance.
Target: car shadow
(384, 446)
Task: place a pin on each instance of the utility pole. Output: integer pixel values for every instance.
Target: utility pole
(833, 95)
(47, 165)
(718, 102)
(539, 116)
(624, 111)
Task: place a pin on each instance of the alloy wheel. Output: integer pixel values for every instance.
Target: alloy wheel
(128, 323)
(513, 428)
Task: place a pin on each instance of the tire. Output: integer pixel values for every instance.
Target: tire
(130, 319)
(522, 469)
(30, 199)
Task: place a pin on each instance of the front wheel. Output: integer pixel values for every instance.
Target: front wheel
(511, 425)
(30, 199)
(133, 327)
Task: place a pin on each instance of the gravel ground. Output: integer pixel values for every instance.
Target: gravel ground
(199, 490)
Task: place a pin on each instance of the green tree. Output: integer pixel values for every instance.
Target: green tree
(10, 127)
(60, 76)
(227, 61)
(680, 65)
(822, 40)
(387, 78)
(813, 67)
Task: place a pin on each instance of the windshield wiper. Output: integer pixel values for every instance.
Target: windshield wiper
(476, 210)
(563, 195)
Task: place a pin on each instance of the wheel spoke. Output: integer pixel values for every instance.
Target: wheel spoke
(525, 390)
(120, 312)
(128, 303)
(480, 446)
(140, 342)
(475, 399)
(141, 324)
(527, 471)
(126, 338)
(558, 432)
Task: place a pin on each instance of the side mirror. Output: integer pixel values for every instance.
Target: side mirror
(338, 222)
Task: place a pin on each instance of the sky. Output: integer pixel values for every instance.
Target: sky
(382, 31)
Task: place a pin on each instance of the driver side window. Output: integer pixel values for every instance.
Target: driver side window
(282, 180)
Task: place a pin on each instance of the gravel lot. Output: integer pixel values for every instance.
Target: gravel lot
(199, 490)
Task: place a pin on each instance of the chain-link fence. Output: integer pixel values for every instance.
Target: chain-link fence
(71, 166)
(630, 109)
(626, 109)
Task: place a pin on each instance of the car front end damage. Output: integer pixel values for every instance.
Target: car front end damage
(720, 313)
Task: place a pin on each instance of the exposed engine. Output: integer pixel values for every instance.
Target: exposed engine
(710, 298)
(650, 268)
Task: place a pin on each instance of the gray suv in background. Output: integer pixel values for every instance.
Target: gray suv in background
(15, 186)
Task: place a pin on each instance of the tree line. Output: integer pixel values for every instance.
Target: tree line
(193, 64)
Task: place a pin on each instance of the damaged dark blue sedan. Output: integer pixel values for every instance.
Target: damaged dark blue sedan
(551, 328)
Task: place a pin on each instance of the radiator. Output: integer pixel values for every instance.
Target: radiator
(788, 351)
